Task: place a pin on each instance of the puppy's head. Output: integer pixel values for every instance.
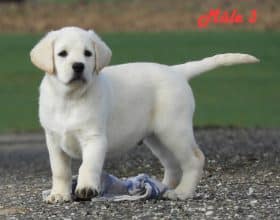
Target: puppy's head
(72, 55)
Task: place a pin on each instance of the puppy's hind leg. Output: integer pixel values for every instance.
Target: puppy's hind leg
(172, 170)
(191, 160)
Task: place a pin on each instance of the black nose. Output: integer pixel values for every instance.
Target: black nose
(78, 67)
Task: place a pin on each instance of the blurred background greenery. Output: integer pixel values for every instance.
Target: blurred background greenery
(161, 31)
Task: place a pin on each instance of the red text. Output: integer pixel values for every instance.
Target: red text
(217, 16)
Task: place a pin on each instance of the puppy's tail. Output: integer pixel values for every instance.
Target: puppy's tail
(195, 68)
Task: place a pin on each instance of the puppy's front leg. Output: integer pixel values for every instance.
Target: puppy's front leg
(61, 171)
(93, 149)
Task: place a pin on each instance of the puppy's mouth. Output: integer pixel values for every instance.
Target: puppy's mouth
(77, 79)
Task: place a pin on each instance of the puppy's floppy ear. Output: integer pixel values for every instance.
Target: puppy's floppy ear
(103, 53)
(42, 54)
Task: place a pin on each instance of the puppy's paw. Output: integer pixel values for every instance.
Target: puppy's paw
(58, 198)
(85, 193)
(170, 194)
(173, 195)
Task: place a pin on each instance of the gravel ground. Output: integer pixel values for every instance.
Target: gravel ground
(241, 180)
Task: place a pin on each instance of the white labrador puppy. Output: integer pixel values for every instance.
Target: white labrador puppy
(88, 111)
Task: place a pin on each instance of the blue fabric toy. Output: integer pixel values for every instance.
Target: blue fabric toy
(133, 188)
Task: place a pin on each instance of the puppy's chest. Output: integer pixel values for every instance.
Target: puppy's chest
(70, 144)
(66, 118)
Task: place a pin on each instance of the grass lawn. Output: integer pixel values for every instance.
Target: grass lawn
(246, 95)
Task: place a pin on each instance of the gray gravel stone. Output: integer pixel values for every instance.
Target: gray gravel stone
(241, 180)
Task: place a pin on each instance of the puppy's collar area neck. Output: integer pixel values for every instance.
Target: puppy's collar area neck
(65, 90)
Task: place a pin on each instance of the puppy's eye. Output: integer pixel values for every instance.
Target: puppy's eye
(63, 53)
(88, 53)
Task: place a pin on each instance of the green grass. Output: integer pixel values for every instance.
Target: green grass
(246, 95)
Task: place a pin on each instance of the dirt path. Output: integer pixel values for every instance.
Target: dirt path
(137, 15)
(241, 180)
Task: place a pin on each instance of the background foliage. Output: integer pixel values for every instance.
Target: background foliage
(245, 95)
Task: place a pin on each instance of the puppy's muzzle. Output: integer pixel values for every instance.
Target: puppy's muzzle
(78, 69)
